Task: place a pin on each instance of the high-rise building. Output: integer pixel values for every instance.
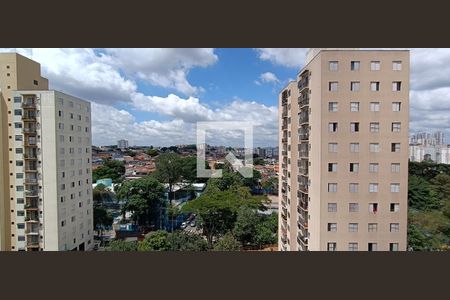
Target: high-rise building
(122, 144)
(48, 173)
(344, 152)
(423, 146)
(16, 72)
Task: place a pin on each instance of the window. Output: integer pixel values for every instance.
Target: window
(61, 126)
(19, 188)
(63, 223)
(19, 175)
(395, 187)
(354, 106)
(373, 227)
(20, 213)
(21, 238)
(396, 86)
(372, 246)
(374, 147)
(394, 227)
(19, 163)
(352, 227)
(354, 147)
(334, 65)
(35, 82)
(17, 99)
(19, 150)
(332, 167)
(63, 186)
(353, 207)
(332, 207)
(396, 66)
(374, 106)
(352, 246)
(373, 207)
(20, 226)
(396, 106)
(63, 198)
(353, 187)
(354, 167)
(332, 106)
(332, 187)
(393, 246)
(20, 201)
(354, 65)
(373, 187)
(332, 147)
(333, 86)
(354, 86)
(374, 86)
(395, 147)
(17, 112)
(374, 127)
(17, 125)
(71, 127)
(333, 127)
(375, 66)
(394, 207)
(395, 168)
(61, 138)
(19, 138)
(373, 167)
(396, 126)
(331, 246)
(332, 227)
(354, 127)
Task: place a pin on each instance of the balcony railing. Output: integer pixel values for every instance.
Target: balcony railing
(32, 231)
(30, 118)
(304, 118)
(31, 193)
(33, 244)
(32, 218)
(29, 156)
(29, 130)
(32, 205)
(31, 181)
(302, 240)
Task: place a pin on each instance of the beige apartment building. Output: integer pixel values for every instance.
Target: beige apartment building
(344, 152)
(47, 147)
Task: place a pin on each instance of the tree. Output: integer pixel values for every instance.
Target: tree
(102, 219)
(119, 245)
(168, 170)
(217, 210)
(155, 241)
(266, 230)
(189, 169)
(173, 212)
(245, 228)
(228, 243)
(259, 161)
(420, 194)
(183, 241)
(152, 152)
(113, 169)
(143, 197)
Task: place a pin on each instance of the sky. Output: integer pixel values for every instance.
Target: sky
(157, 96)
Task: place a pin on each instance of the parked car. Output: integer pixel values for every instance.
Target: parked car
(183, 225)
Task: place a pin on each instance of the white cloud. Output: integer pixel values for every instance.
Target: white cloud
(167, 68)
(82, 73)
(287, 57)
(267, 77)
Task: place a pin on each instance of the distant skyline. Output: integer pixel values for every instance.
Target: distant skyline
(155, 96)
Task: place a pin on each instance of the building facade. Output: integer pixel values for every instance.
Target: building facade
(122, 144)
(427, 146)
(16, 72)
(344, 152)
(46, 150)
(53, 188)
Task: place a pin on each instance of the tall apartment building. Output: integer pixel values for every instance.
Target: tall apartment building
(344, 152)
(48, 149)
(122, 144)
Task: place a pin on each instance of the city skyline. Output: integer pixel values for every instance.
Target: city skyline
(155, 96)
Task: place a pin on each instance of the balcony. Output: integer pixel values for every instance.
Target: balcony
(303, 206)
(31, 204)
(303, 188)
(31, 193)
(303, 83)
(31, 169)
(284, 127)
(32, 218)
(303, 100)
(303, 118)
(29, 130)
(303, 171)
(29, 143)
(30, 156)
(29, 103)
(302, 240)
(33, 244)
(302, 224)
(31, 181)
(303, 154)
(34, 230)
(29, 118)
(284, 140)
(284, 153)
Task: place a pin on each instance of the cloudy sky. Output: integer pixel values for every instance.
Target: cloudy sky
(156, 96)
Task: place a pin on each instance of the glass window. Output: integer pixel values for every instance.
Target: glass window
(374, 127)
(396, 126)
(332, 106)
(373, 167)
(394, 227)
(333, 86)
(375, 86)
(354, 65)
(396, 86)
(332, 227)
(393, 246)
(396, 65)
(395, 187)
(353, 187)
(354, 106)
(17, 112)
(333, 127)
(394, 207)
(353, 207)
(332, 167)
(354, 147)
(17, 125)
(372, 247)
(332, 147)
(373, 227)
(352, 246)
(352, 227)
(395, 168)
(334, 65)
(332, 207)
(354, 167)
(332, 187)
(354, 86)
(395, 147)
(374, 147)
(354, 127)
(374, 106)
(373, 188)
(375, 66)
(332, 246)
(373, 207)
(396, 106)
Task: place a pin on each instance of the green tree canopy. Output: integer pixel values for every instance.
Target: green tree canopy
(228, 243)
(113, 169)
(169, 170)
(119, 245)
(155, 241)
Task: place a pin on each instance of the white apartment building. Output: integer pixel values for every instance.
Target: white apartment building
(122, 144)
(52, 171)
